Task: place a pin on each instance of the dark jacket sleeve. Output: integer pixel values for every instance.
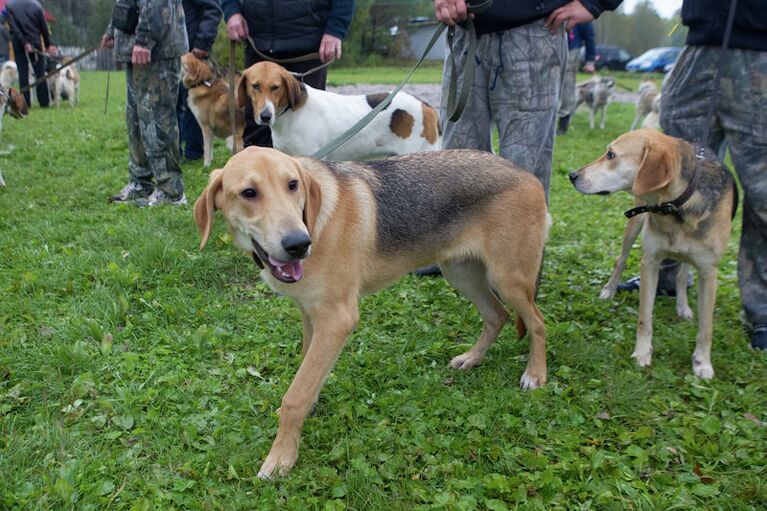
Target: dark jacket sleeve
(340, 18)
(16, 31)
(230, 8)
(210, 16)
(587, 35)
(44, 28)
(597, 7)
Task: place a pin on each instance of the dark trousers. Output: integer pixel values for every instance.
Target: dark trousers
(254, 134)
(38, 65)
(190, 134)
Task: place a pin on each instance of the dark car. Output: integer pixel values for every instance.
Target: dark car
(657, 59)
(611, 57)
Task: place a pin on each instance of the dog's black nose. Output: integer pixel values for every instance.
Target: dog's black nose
(574, 176)
(296, 243)
(265, 116)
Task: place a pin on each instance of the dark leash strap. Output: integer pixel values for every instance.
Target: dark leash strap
(55, 71)
(673, 207)
(232, 111)
(106, 95)
(458, 108)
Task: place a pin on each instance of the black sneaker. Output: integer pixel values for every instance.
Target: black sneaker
(759, 337)
(564, 122)
(428, 271)
(130, 193)
(159, 198)
(632, 284)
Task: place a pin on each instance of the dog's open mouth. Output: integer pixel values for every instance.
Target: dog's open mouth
(284, 271)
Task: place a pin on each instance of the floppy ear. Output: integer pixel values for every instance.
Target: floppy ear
(312, 200)
(656, 168)
(296, 90)
(242, 91)
(205, 206)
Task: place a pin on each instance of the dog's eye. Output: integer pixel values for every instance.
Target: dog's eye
(249, 193)
(274, 88)
(610, 155)
(293, 185)
(256, 87)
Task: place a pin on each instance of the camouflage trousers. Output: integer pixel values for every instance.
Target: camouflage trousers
(516, 89)
(150, 115)
(568, 99)
(740, 122)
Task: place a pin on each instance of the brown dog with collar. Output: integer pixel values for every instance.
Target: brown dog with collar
(659, 169)
(326, 234)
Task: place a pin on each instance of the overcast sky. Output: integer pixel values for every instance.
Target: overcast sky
(665, 8)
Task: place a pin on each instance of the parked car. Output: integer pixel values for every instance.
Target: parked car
(611, 57)
(654, 60)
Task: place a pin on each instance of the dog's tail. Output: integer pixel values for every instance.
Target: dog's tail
(518, 323)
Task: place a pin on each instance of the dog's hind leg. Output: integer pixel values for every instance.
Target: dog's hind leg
(636, 122)
(701, 357)
(516, 285)
(630, 233)
(332, 322)
(470, 279)
(683, 309)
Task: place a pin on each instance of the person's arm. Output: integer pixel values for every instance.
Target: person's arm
(43, 27)
(336, 28)
(597, 7)
(236, 26)
(203, 40)
(577, 12)
(16, 31)
(589, 39)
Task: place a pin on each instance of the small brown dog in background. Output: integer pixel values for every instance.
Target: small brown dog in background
(208, 100)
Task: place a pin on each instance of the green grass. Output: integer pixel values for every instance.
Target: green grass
(138, 373)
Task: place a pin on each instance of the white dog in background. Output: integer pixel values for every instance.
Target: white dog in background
(67, 85)
(595, 93)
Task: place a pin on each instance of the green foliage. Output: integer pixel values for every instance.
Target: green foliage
(639, 31)
(139, 373)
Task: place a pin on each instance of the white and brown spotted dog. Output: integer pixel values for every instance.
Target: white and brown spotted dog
(208, 101)
(304, 119)
(11, 100)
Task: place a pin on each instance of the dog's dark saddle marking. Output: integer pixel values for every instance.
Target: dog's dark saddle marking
(426, 206)
(374, 99)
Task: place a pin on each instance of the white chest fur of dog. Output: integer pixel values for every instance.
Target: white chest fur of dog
(304, 119)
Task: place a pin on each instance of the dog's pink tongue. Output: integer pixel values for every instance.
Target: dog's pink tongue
(292, 269)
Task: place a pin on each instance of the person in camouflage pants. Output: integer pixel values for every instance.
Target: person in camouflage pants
(521, 58)
(741, 121)
(151, 58)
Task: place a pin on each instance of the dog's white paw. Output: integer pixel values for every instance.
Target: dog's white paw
(276, 465)
(643, 359)
(702, 368)
(607, 292)
(529, 382)
(466, 361)
(704, 372)
(684, 312)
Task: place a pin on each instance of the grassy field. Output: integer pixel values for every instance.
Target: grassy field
(139, 373)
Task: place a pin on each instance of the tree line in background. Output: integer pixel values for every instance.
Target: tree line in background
(371, 39)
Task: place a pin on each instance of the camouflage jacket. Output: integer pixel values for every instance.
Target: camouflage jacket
(161, 28)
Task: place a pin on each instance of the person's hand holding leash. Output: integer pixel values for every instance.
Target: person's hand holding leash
(451, 12)
(107, 41)
(330, 48)
(237, 28)
(568, 15)
(140, 55)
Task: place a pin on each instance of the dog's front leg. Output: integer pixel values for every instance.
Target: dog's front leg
(306, 323)
(701, 357)
(207, 146)
(331, 327)
(633, 227)
(591, 118)
(648, 283)
(603, 118)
